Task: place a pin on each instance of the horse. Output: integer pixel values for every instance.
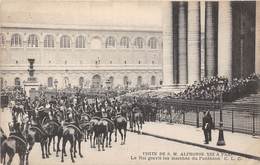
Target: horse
(72, 133)
(91, 130)
(110, 129)
(136, 118)
(36, 134)
(3, 137)
(53, 129)
(85, 118)
(13, 144)
(120, 123)
(101, 131)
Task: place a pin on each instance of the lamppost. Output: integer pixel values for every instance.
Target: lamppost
(221, 141)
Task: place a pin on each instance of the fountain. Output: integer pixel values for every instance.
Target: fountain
(31, 84)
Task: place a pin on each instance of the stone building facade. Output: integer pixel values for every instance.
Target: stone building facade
(79, 57)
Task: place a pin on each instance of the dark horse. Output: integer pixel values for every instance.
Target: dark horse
(36, 134)
(53, 129)
(120, 123)
(136, 118)
(110, 129)
(72, 133)
(3, 137)
(13, 144)
(91, 131)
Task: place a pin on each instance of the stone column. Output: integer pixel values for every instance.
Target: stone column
(257, 38)
(182, 46)
(167, 44)
(210, 41)
(193, 42)
(225, 39)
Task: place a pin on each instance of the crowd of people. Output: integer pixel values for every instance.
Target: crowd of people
(209, 89)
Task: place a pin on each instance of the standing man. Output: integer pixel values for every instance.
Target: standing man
(207, 126)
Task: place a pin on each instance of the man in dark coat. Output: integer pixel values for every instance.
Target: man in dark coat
(207, 126)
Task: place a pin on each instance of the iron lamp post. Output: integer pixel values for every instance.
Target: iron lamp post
(221, 141)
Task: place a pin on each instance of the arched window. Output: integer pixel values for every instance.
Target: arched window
(81, 82)
(139, 80)
(153, 80)
(65, 42)
(124, 42)
(17, 81)
(50, 82)
(153, 43)
(80, 42)
(125, 81)
(33, 41)
(96, 81)
(2, 40)
(110, 42)
(16, 40)
(96, 43)
(139, 43)
(49, 41)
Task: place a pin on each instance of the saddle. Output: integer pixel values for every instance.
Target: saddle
(39, 129)
(73, 125)
(18, 136)
(109, 121)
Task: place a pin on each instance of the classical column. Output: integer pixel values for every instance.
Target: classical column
(210, 40)
(257, 38)
(182, 46)
(193, 42)
(225, 39)
(167, 44)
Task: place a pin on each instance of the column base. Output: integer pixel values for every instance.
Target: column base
(30, 86)
(174, 88)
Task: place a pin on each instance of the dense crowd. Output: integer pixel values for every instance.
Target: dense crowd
(209, 89)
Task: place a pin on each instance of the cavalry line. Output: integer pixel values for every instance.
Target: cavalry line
(135, 146)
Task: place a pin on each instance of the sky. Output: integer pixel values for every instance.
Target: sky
(82, 13)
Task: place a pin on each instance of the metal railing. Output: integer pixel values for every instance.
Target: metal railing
(242, 118)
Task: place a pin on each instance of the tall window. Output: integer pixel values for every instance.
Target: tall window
(80, 42)
(139, 80)
(110, 42)
(81, 82)
(49, 41)
(124, 42)
(50, 82)
(17, 81)
(2, 40)
(153, 80)
(153, 43)
(32, 41)
(139, 43)
(65, 42)
(16, 40)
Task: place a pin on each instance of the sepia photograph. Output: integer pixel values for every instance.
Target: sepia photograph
(129, 82)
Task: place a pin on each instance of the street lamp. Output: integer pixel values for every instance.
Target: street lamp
(221, 141)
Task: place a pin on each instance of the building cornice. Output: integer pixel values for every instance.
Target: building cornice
(80, 27)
